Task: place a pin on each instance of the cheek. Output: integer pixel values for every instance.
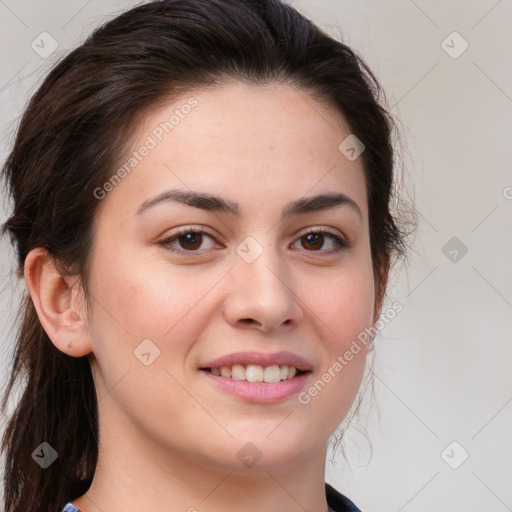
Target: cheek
(139, 298)
(342, 304)
(342, 309)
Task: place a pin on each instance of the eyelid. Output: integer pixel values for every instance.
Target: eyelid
(189, 228)
(321, 229)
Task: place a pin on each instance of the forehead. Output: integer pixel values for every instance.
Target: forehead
(251, 142)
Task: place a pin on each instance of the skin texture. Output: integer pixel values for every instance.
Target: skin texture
(168, 437)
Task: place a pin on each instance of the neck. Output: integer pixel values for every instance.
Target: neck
(135, 473)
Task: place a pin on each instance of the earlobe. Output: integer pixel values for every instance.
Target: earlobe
(56, 301)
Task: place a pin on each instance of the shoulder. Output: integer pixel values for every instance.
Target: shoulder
(338, 502)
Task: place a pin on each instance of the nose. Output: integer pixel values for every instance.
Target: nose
(261, 295)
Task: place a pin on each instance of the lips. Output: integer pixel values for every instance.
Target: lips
(261, 359)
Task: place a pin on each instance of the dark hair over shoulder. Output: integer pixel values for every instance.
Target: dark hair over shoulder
(74, 131)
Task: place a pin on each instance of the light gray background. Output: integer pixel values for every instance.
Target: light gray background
(443, 364)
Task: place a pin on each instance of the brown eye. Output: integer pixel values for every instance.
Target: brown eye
(187, 241)
(190, 241)
(315, 240)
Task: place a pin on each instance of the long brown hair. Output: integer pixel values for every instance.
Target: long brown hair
(74, 131)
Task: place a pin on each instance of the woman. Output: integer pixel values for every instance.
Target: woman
(201, 215)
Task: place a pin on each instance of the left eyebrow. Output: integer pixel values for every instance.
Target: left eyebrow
(209, 202)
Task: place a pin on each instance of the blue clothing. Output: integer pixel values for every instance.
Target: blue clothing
(69, 507)
(335, 500)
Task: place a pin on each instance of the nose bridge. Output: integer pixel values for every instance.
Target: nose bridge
(263, 288)
(258, 261)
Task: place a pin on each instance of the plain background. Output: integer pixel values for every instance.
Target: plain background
(443, 364)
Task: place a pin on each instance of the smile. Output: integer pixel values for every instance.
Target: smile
(235, 381)
(256, 372)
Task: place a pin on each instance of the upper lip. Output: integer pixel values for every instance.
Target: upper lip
(260, 358)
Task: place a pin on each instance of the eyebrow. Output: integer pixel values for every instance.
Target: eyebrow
(212, 203)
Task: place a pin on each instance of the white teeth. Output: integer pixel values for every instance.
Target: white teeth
(272, 373)
(256, 373)
(253, 373)
(238, 372)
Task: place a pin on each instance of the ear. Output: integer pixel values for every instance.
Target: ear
(59, 304)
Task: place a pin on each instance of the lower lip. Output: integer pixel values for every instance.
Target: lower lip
(266, 392)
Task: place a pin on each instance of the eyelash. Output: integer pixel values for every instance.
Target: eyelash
(339, 243)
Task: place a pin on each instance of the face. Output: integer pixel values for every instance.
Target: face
(250, 276)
